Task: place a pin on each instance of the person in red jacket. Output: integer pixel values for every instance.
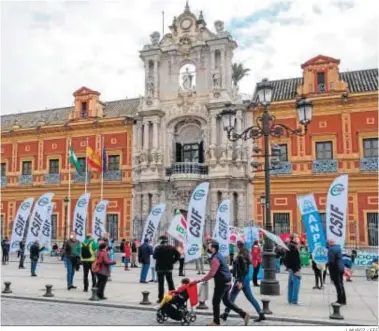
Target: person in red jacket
(104, 262)
(128, 254)
(256, 259)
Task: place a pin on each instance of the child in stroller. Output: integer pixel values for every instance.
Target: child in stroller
(174, 304)
(372, 271)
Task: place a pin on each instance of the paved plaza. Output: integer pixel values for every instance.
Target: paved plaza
(125, 291)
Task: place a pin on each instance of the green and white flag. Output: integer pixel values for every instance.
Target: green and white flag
(74, 160)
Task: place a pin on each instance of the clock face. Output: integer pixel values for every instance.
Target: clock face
(186, 24)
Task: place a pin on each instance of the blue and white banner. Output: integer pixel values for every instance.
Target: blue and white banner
(251, 234)
(45, 235)
(80, 216)
(19, 223)
(221, 231)
(37, 219)
(196, 221)
(336, 210)
(98, 222)
(152, 222)
(312, 221)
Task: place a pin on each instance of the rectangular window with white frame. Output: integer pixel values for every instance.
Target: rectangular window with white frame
(54, 166)
(283, 149)
(281, 223)
(372, 229)
(26, 168)
(3, 169)
(112, 225)
(370, 147)
(113, 162)
(324, 150)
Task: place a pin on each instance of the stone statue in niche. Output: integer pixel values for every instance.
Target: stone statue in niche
(216, 80)
(150, 88)
(187, 77)
(154, 38)
(219, 26)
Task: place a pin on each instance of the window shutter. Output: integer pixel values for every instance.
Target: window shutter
(178, 151)
(201, 152)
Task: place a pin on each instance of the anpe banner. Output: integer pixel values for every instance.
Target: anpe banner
(19, 223)
(221, 231)
(178, 228)
(37, 219)
(152, 222)
(98, 222)
(45, 236)
(196, 221)
(336, 208)
(80, 216)
(312, 221)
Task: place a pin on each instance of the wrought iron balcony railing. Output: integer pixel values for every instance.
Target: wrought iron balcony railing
(283, 168)
(52, 178)
(25, 180)
(324, 166)
(369, 164)
(187, 168)
(112, 175)
(4, 181)
(81, 178)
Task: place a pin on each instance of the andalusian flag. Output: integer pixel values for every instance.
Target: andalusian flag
(74, 160)
(93, 159)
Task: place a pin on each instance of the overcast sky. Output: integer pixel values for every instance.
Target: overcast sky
(50, 49)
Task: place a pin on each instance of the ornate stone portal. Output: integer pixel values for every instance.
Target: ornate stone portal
(179, 139)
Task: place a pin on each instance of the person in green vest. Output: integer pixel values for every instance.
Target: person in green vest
(89, 250)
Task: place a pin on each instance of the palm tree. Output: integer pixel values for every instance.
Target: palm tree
(238, 72)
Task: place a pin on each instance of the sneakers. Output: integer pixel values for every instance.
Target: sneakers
(246, 319)
(213, 324)
(126, 269)
(224, 316)
(261, 317)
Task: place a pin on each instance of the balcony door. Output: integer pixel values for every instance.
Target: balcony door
(189, 145)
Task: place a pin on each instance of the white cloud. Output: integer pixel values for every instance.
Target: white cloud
(49, 49)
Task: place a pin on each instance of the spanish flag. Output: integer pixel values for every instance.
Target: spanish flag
(93, 159)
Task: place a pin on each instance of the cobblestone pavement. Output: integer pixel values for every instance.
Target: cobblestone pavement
(52, 314)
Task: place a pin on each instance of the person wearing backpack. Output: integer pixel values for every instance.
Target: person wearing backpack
(240, 273)
(221, 274)
(88, 254)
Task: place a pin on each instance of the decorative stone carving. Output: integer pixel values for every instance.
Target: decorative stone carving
(185, 45)
(219, 26)
(154, 38)
(185, 99)
(150, 88)
(216, 80)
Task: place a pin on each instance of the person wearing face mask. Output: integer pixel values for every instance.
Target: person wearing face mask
(104, 263)
(293, 264)
(71, 257)
(220, 273)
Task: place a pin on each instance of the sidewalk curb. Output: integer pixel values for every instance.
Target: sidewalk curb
(152, 309)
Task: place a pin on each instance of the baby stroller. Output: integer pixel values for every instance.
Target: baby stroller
(176, 308)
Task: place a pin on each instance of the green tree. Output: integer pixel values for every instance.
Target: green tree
(238, 72)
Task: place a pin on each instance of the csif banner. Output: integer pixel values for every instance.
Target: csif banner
(152, 222)
(221, 231)
(312, 222)
(178, 228)
(336, 207)
(80, 216)
(196, 221)
(45, 235)
(19, 224)
(98, 222)
(37, 219)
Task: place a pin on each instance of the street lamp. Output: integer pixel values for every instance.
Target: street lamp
(263, 203)
(265, 127)
(66, 202)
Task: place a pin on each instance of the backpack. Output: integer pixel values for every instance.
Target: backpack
(86, 253)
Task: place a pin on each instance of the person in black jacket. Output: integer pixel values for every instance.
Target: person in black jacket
(242, 282)
(336, 270)
(35, 249)
(134, 254)
(5, 246)
(144, 253)
(22, 254)
(165, 257)
(293, 264)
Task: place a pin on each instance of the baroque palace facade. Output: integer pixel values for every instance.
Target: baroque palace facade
(162, 144)
(342, 139)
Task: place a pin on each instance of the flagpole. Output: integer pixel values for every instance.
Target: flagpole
(69, 190)
(102, 169)
(86, 175)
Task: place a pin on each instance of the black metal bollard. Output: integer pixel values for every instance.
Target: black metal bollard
(94, 296)
(49, 293)
(266, 308)
(7, 288)
(336, 315)
(145, 298)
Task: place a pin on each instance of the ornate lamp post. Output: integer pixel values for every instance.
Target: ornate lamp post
(263, 203)
(265, 127)
(66, 202)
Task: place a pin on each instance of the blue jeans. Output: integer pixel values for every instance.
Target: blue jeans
(246, 289)
(144, 271)
(33, 266)
(126, 261)
(70, 271)
(293, 288)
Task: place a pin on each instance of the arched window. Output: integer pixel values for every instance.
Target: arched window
(217, 59)
(189, 144)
